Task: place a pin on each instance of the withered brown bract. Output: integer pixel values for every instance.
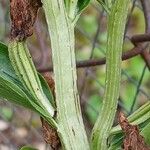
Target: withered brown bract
(132, 140)
(23, 15)
(50, 135)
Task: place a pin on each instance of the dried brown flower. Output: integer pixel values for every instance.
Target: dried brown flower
(23, 15)
(133, 140)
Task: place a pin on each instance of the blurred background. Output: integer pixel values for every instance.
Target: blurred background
(19, 126)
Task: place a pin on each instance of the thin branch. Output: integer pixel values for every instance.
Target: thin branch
(93, 62)
(140, 38)
(146, 9)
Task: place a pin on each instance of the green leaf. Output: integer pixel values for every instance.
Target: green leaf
(7, 74)
(10, 87)
(28, 148)
(14, 94)
(47, 90)
(102, 3)
(13, 90)
(146, 133)
(74, 8)
(81, 5)
(25, 70)
(6, 69)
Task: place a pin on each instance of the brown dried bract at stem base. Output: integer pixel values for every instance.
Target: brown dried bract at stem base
(133, 140)
(50, 134)
(23, 15)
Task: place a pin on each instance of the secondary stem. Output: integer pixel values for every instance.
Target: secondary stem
(116, 26)
(70, 124)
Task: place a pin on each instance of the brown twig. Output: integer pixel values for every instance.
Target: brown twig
(146, 9)
(140, 38)
(93, 62)
(137, 40)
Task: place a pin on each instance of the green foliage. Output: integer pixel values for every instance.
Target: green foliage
(47, 90)
(26, 72)
(6, 113)
(10, 86)
(75, 7)
(103, 4)
(81, 5)
(146, 133)
(13, 90)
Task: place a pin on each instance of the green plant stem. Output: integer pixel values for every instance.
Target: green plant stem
(116, 26)
(109, 3)
(70, 125)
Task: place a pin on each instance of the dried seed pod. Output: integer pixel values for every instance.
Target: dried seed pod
(23, 15)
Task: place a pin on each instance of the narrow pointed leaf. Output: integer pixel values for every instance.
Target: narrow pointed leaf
(13, 90)
(82, 4)
(10, 87)
(47, 90)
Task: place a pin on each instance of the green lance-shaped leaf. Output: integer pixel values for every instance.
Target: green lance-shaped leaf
(103, 4)
(25, 70)
(81, 5)
(75, 7)
(146, 133)
(116, 27)
(12, 89)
